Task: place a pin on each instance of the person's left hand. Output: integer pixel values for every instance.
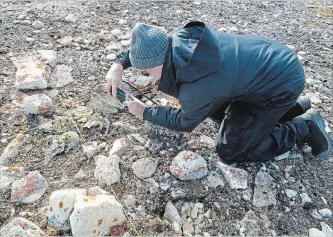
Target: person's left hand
(135, 106)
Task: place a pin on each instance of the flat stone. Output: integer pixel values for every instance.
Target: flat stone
(214, 180)
(111, 57)
(80, 175)
(104, 104)
(55, 146)
(61, 76)
(126, 127)
(305, 198)
(314, 213)
(125, 43)
(145, 167)
(12, 149)
(130, 201)
(94, 191)
(116, 32)
(66, 41)
(96, 215)
(49, 57)
(325, 212)
(326, 229)
(282, 156)
(91, 148)
(84, 26)
(71, 18)
(21, 227)
(119, 147)
(113, 46)
(203, 142)
(122, 22)
(38, 25)
(171, 214)
(290, 193)
(188, 165)
(188, 229)
(141, 81)
(8, 176)
(107, 170)
(37, 104)
(264, 194)
(236, 178)
(61, 205)
(29, 188)
(251, 225)
(313, 232)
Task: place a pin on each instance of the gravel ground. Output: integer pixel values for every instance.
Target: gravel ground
(306, 26)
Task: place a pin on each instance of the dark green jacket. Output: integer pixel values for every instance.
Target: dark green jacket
(205, 68)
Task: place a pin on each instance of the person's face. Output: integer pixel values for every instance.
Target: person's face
(155, 72)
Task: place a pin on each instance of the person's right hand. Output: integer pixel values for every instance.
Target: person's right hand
(114, 77)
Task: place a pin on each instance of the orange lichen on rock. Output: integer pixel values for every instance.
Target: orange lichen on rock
(61, 204)
(100, 221)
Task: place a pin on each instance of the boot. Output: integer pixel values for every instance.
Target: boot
(302, 105)
(318, 138)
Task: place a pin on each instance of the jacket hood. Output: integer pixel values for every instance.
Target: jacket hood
(196, 52)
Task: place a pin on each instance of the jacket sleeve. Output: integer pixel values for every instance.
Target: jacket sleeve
(124, 60)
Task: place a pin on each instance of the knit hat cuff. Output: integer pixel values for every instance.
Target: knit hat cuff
(149, 62)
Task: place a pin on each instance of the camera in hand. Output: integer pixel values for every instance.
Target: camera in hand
(122, 95)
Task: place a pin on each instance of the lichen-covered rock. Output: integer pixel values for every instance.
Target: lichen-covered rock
(141, 81)
(37, 104)
(203, 141)
(11, 151)
(61, 76)
(49, 57)
(145, 167)
(8, 176)
(21, 227)
(70, 139)
(236, 178)
(107, 170)
(264, 193)
(94, 191)
(119, 147)
(29, 188)
(94, 216)
(251, 225)
(188, 165)
(61, 205)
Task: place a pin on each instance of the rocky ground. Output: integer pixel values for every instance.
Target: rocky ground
(53, 57)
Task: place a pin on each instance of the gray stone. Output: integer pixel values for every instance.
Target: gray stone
(264, 194)
(130, 201)
(80, 175)
(94, 191)
(21, 227)
(71, 18)
(116, 32)
(145, 167)
(38, 25)
(236, 178)
(282, 156)
(61, 76)
(326, 229)
(171, 214)
(290, 193)
(305, 198)
(314, 213)
(313, 232)
(214, 180)
(84, 26)
(251, 225)
(325, 212)
(8, 176)
(107, 170)
(91, 148)
(66, 41)
(111, 57)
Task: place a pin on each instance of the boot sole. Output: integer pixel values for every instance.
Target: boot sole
(321, 126)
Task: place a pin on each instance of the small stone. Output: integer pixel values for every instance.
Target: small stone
(251, 225)
(62, 76)
(12, 150)
(290, 193)
(176, 228)
(217, 205)
(8, 176)
(236, 178)
(171, 214)
(314, 213)
(264, 194)
(96, 215)
(204, 141)
(141, 81)
(126, 127)
(125, 43)
(119, 147)
(70, 18)
(21, 227)
(111, 57)
(70, 140)
(130, 201)
(188, 165)
(37, 104)
(207, 214)
(326, 229)
(144, 168)
(188, 229)
(325, 212)
(38, 25)
(29, 188)
(26, 214)
(61, 205)
(199, 219)
(66, 41)
(305, 198)
(316, 233)
(214, 180)
(139, 138)
(107, 170)
(194, 212)
(283, 156)
(152, 185)
(291, 47)
(80, 175)
(91, 148)
(122, 22)
(49, 57)
(113, 46)
(206, 234)
(84, 26)
(94, 191)
(116, 32)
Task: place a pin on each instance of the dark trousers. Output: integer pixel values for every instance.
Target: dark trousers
(252, 133)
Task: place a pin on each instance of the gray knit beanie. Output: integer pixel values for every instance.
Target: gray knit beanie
(148, 47)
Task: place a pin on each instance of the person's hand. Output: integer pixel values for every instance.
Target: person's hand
(135, 106)
(114, 77)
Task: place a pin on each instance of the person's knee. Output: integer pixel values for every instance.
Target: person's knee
(225, 153)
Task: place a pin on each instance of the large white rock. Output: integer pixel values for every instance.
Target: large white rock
(61, 206)
(61, 76)
(119, 147)
(264, 193)
(94, 216)
(49, 57)
(325, 212)
(37, 104)
(8, 176)
(29, 189)
(31, 73)
(144, 168)
(12, 150)
(313, 232)
(107, 170)
(236, 178)
(21, 227)
(326, 229)
(188, 165)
